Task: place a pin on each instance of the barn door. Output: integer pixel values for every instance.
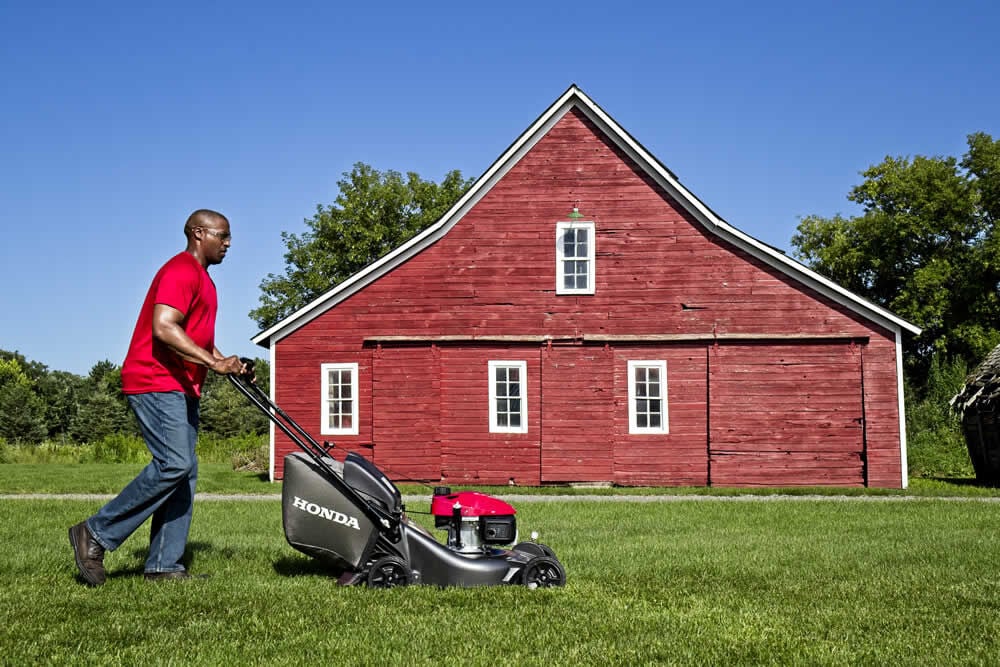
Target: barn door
(406, 412)
(577, 415)
(786, 415)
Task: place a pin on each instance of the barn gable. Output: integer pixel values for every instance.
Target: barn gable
(575, 99)
(674, 288)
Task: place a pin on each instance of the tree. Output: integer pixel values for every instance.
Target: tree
(102, 409)
(61, 392)
(22, 412)
(226, 412)
(374, 213)
(925, 247)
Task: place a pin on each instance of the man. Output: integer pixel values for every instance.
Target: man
(172, 348)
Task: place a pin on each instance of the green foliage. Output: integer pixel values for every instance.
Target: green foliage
(246, 451)
(926, 247)
(119, 448)
(227, 413)
(62, 393)
(11, 372)
(22, 411)
(56, 407)
(102, 409)
(936, 447)
(374, 213)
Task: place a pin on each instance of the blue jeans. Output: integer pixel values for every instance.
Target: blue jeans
(164, 489)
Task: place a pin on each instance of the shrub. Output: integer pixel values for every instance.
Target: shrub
(120, 448)
(242, 450)
(936, 447)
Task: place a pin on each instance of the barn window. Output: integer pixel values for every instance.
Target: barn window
(340, 399)
(647, 397)
(575, 258)
(508, 404)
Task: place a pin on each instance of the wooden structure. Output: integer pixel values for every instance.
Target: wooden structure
(978, 404)
(580, 316)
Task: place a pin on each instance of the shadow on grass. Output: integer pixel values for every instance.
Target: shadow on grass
(290, 566)
(287, 566)
(187, 560)
(964, 481)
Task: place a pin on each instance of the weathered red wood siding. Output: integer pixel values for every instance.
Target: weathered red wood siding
(470, 454)
(679, 457)
(406, 395)
(578, 411)
(298, 389)
(658, 272)
(812, 390)
(881, 405)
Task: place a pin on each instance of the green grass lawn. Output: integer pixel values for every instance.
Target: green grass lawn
(816, 582)
(110, 478)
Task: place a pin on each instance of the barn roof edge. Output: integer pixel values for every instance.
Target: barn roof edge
(574, 97)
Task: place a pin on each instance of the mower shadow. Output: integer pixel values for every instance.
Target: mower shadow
(290, 566)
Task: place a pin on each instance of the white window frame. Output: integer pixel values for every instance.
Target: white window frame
(325, 427)
(561, 229)
(633, 427)
(522, 367)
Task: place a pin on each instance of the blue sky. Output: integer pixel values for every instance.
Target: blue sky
(117, 120)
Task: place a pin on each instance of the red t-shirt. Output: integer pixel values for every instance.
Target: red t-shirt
(150, 365)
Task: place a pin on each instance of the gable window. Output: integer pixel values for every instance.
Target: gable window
(508, 404)
(647, 397)
(575, 258)
(339, 399)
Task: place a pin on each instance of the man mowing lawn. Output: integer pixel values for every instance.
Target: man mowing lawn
(172, 348)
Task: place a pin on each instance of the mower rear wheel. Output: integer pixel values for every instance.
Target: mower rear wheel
(389, 572)
(543, 572)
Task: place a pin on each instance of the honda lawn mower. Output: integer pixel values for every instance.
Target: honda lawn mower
(351, 516)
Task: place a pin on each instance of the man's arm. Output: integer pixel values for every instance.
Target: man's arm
(168, 330)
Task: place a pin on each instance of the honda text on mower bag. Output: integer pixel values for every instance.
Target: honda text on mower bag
(351, 516)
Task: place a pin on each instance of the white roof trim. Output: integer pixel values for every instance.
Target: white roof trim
(574, 97)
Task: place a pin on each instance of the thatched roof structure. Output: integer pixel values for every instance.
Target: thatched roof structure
(982, 387)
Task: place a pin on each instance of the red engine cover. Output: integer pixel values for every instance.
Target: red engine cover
(473, 504)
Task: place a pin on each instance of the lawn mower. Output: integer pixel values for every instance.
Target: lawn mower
(351, 516)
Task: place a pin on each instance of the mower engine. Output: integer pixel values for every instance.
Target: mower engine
(475, 521)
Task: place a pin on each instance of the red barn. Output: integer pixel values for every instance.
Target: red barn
(579, 316)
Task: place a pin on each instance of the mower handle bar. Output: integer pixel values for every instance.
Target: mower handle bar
(245, 384)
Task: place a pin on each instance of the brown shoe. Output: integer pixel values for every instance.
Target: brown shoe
(89, 554)
(172, 576)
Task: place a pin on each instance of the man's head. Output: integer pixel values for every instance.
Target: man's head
(208, 236)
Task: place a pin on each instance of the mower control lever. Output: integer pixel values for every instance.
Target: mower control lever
(249, 376)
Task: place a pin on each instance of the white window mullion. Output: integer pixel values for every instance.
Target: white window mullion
(339, 399)
(575, 252)
(507, 395)
(647, 397)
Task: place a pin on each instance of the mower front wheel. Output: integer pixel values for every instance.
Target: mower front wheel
(543, 572)
(389, 572)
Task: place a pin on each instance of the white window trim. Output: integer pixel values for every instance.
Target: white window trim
(561, 228)
(325, 427)
(664, 427)
(522, 366)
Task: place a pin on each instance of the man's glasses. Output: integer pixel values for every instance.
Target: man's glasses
(222, 236)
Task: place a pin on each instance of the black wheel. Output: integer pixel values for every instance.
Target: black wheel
(534, 548)
(388, 572)
(543, 572)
